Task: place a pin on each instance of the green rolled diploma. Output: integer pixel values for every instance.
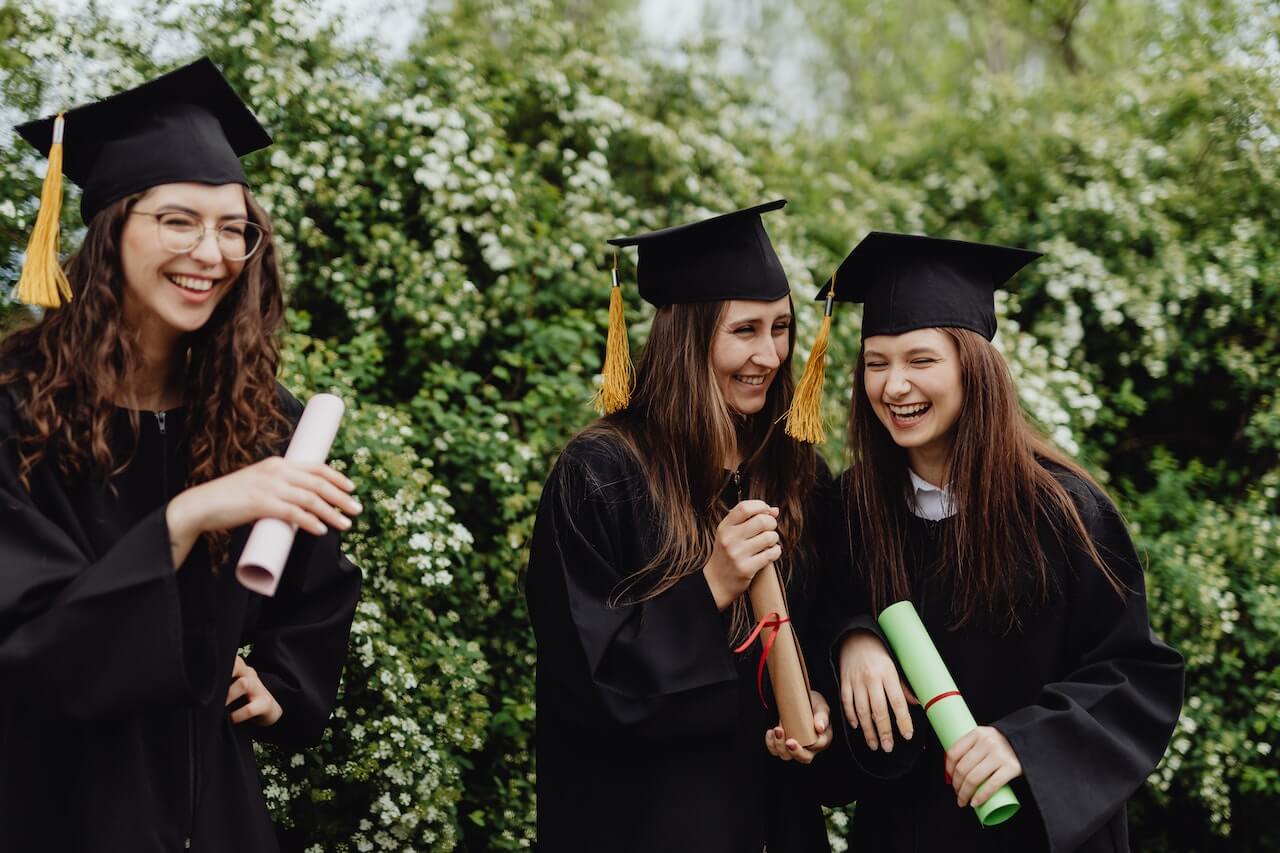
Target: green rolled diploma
(928, 676)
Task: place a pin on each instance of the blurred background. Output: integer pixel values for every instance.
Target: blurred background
(442, 183)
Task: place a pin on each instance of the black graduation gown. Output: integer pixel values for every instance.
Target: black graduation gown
(650, 732)
(1085, 693)
(114, 668)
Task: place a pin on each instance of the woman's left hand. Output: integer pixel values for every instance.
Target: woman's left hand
(781, 746)
(262, 707)
(983, 758)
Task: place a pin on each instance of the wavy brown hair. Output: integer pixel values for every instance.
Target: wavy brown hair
(1000, 487)
(679, 429)
(70, 368)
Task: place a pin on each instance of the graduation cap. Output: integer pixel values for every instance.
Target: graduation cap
(907, 282)
(185, 126)
(728, 256)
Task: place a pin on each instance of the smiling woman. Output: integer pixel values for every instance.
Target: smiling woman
(1017, 561)
(651, 527)
(752, 340)
(139, 418)
(181, 255)
(913, 384)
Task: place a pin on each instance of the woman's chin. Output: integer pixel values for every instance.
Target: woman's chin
(187, 318)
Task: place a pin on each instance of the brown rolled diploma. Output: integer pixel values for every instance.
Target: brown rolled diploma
(787, 671)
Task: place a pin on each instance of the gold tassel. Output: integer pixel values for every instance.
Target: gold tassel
(43, 281)
(804, 418)
(619, 374)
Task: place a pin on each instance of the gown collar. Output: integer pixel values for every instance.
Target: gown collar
(928, 501)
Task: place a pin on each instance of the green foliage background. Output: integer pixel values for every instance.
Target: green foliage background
(443, 218)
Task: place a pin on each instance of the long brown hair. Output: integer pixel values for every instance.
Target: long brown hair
(679, 429)
(71, 368)
(1000, 487)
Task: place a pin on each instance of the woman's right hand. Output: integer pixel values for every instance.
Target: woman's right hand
(746, 542)
(869, 687)
(308, 495)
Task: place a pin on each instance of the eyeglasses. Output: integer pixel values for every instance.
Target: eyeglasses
(180, 233)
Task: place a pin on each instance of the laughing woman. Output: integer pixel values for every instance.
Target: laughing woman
(652, 525)
(137, 426)
(1019, 563)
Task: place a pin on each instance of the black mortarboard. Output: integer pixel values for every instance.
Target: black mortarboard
(187, 125)
(721, 258)
(906, 282)
(713, 260)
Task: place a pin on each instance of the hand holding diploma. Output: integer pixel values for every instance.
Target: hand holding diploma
(265, 553)
(311, 496)
(746, 542)
(971, 751)
(982, 757)
(781, 745)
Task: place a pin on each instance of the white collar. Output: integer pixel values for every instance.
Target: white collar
(929, 501)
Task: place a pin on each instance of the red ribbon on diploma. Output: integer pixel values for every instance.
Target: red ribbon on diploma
(774, 622)
(938, 698)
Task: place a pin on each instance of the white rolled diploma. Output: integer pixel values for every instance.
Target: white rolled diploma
(267, 550)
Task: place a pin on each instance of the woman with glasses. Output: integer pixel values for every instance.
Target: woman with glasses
(140, 427)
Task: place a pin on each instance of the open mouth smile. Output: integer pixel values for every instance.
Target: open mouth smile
(910, 414)
(754, 381)
(192, 283)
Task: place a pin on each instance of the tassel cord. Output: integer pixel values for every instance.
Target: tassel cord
(43, 281)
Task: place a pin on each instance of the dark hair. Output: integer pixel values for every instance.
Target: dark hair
(679, 429)
(71, 367)
(1000, 487)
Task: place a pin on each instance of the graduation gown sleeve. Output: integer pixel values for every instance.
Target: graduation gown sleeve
(1093, 736)
(661, 665)
(845, 607)
(300, 644)
(75, 629)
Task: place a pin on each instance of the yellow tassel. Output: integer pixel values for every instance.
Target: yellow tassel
(43, 281)
(804, 418)
(619, 374)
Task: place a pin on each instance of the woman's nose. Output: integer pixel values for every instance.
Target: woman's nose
(207, 251)
(766, 355)
(897, 384)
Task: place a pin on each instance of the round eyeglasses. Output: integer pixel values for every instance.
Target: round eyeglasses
(180, 233)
